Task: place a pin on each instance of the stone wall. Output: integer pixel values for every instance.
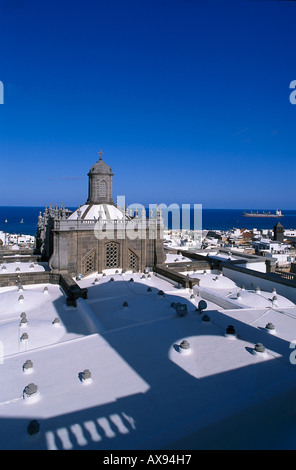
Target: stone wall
(184, 281)
(73, 249)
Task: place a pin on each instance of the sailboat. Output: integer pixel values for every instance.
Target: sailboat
(22, 221)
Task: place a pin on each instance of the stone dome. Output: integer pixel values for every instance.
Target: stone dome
(101, 167)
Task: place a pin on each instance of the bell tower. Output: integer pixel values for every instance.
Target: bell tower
(100, 183)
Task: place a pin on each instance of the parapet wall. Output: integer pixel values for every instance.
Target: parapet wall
(69, 286)
(176, 277)
(266, 281)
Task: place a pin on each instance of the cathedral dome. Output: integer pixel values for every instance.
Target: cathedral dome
(100, 183)
(100, 167)
(95, 212)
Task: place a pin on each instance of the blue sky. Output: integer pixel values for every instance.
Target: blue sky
(188, 100)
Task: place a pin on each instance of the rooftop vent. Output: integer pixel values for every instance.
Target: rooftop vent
(45, 290)
(259, 349)
(24, 336)
(205, 318)
(270, 328)
(184, 347)
(33, 427)
(181, 309)
(149, 289)
(243, 287)
(86, 376)
(131, 279)
(160, 293)
(202, 305)
(125, 304)
(56, 322)
(28, 366)
(230, 332)
(257, 290)
(24, 321)
(79, 277)
(21, 299)
(30, 390)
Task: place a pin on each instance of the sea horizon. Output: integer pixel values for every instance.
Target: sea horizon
(212, 219)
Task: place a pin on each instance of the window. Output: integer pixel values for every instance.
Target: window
(102, 188)
(133, 261)
(88, 263)
(112, 255)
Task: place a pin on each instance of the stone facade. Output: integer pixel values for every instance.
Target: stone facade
(100, 235)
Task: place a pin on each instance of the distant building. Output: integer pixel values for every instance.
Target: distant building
(278, 231)
(99, 235)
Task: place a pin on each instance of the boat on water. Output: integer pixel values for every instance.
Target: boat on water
(263, 214)
(22, 221)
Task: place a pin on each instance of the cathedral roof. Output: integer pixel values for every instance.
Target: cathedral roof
(105, 212)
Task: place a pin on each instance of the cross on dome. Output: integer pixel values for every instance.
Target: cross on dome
(100, 153)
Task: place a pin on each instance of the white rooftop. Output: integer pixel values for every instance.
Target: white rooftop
(22, 267)
(144, 392)
(98, 212)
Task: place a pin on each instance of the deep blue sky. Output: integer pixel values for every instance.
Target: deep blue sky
(188, 99)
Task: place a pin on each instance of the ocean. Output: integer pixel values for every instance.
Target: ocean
(212, 219)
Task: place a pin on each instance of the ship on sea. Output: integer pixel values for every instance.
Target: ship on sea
(263, 214)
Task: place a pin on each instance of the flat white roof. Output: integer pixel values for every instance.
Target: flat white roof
(144, 392)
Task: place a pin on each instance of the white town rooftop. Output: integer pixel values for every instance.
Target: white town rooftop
(143, 390)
